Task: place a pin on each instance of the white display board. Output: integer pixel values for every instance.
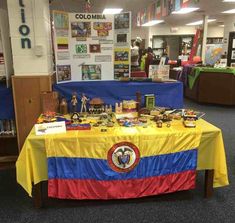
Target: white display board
(87, 45)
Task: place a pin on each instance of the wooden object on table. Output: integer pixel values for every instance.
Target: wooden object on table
(49, 101)
(26, 92)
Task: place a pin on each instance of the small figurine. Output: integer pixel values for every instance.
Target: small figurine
(63, 107)
(84, 100)
(159, 124)
(74, 102)
(75, 118)
(118, 108)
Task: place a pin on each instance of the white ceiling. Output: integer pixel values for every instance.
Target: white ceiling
(213, 8)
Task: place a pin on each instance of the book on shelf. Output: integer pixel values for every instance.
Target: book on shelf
(7, 127)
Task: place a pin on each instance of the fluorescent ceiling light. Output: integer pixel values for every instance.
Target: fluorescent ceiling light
(228, 0)
(231, 11)
(185, 10)
(111, 11)
(199, 22)
(221, 25)
(153, 22)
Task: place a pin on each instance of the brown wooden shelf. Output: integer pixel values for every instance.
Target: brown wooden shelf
(7, 136)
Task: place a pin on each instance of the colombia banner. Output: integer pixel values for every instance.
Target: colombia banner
(118, 166)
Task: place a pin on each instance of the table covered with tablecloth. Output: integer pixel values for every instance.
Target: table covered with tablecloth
(77, 164)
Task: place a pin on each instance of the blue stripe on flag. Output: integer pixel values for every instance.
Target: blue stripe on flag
(99, 169)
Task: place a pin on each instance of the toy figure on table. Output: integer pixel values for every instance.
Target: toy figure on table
(74, 102)
(84, 100)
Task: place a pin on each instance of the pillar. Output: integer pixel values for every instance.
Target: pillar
(30, 32)
(205, 29)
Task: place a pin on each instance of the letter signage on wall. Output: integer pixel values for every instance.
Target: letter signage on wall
(24, 29)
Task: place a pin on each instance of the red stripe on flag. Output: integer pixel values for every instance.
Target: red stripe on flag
(121, 189)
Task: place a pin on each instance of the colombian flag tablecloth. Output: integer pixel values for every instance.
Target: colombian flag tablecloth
(124, 163)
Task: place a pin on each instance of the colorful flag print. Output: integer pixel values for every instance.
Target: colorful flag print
(99, 168)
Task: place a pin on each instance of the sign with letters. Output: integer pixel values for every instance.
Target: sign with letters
(24, 28)
(50, 128)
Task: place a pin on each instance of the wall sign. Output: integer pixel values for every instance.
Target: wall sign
(23, 28)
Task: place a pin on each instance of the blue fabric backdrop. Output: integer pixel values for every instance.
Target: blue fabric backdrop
(6, 103)
(167, 94)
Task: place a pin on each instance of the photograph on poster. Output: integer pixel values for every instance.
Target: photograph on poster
(102, 26)
(233, 55)
(61, 20)
(102, 32)
(121, 38)
(81, 29)
(122, 21)
(81, 48)
(91, 72)
(94, 48)
(62, 43)
(121, 70)
(121, 55)
(63, 73)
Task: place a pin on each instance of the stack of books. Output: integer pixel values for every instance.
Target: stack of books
(7, 127)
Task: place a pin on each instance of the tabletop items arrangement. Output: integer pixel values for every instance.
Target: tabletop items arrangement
(94, 112)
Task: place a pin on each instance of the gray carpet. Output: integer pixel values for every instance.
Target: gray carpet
(189, 206)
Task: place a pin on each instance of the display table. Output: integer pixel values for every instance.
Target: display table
(167, 94)
(211, 85)
(32, 164)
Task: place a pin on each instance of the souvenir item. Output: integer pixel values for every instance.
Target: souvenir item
(84, 100)
(96, 106)
(118, 108)
(129, 106)
(149, 101)
(159, 124)
(49, 101)
(63, 107)
(74, 102)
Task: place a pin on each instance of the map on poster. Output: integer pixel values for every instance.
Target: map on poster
(91, 46)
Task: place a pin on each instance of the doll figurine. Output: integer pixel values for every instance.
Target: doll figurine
(84, 100)
(74, 102)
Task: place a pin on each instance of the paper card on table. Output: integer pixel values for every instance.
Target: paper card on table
(50, 128)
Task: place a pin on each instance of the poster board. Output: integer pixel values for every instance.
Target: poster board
(159, 71)
(213, 53)
(88, 46)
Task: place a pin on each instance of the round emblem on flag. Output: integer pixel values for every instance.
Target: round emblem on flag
(123, 157)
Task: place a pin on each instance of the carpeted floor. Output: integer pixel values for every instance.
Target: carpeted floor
(189, 206)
